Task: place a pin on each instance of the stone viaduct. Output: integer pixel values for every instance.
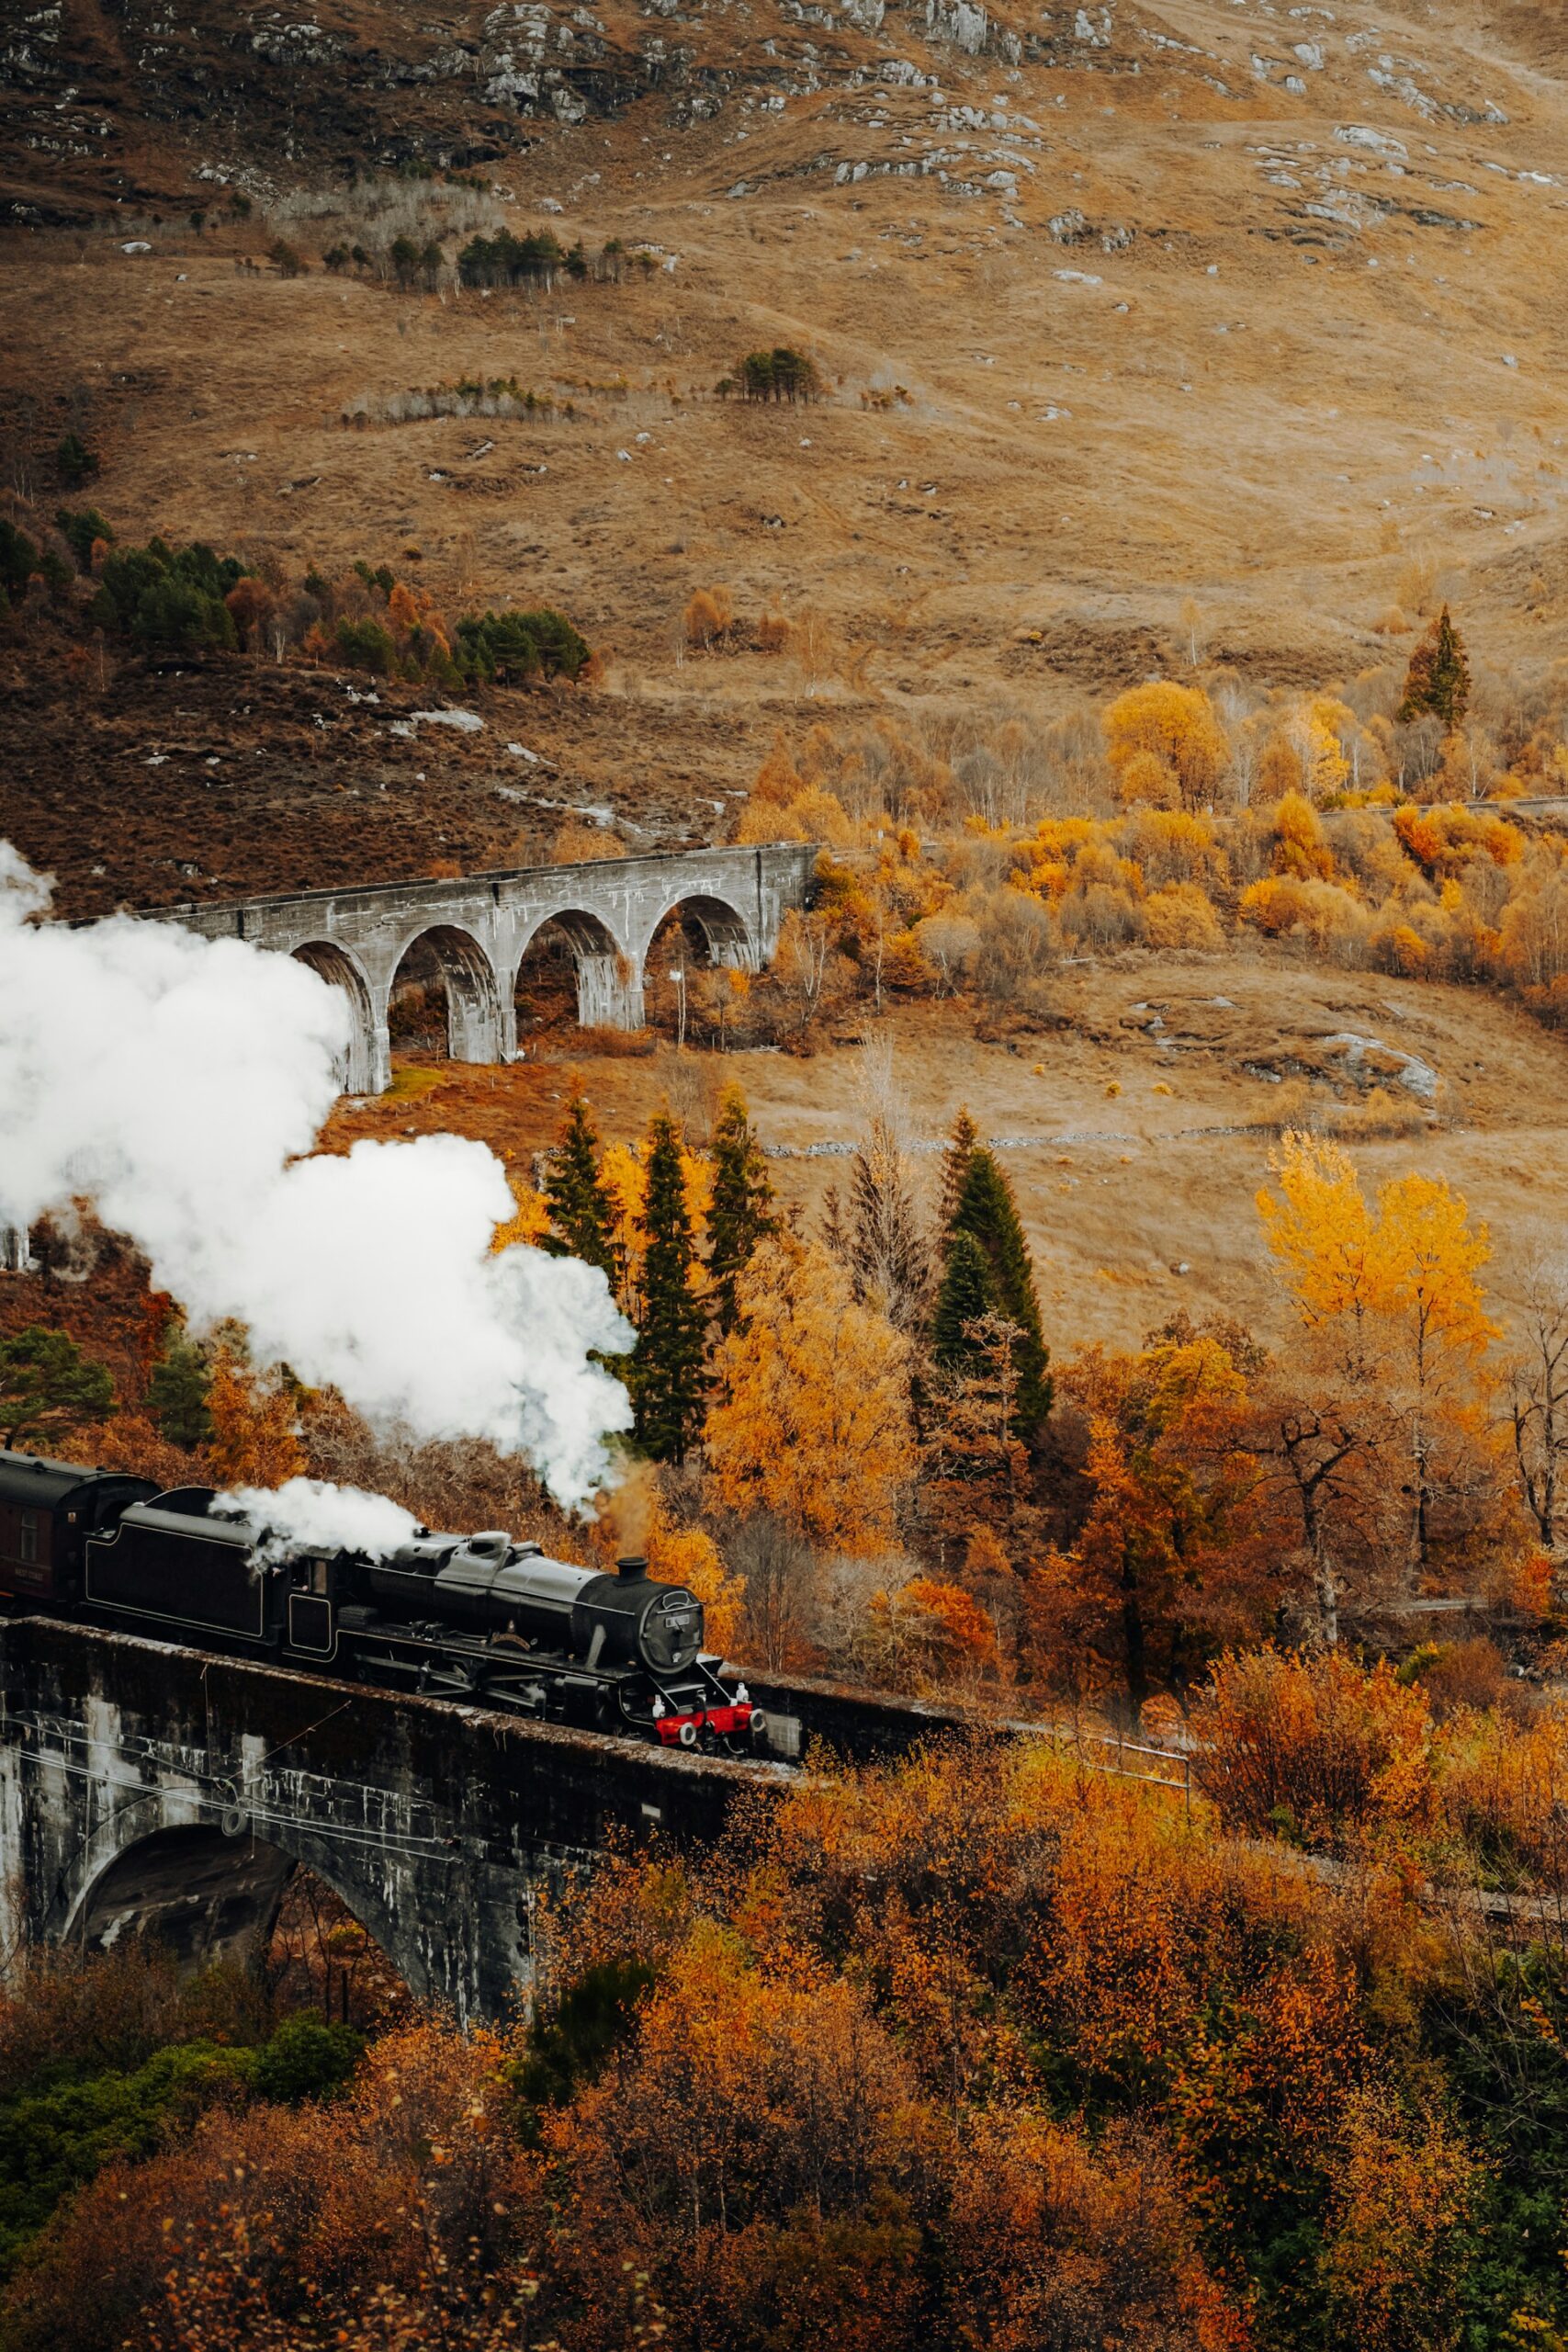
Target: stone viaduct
(481, 928)
(149, 1789)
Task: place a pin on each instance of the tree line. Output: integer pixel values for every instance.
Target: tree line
(162, 599)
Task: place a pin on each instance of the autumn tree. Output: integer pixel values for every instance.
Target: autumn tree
(1538, 1393)
(879, 1233)
(256, 1424)
(1438, 681)
(667, 1379)
(741, 1212)
(529, 1223)
(47, 1386)
(579, 1209)
(811, 1421)
(989, 1214)
(1177, 1554)
(1393, 1306)
(1175, 726)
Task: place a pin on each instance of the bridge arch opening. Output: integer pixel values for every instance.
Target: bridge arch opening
(573, 969)
(356, 1072)
(207, 1898)
(693, 944)
(444, 1003)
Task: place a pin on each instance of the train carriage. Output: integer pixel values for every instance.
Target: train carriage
(49, 1510)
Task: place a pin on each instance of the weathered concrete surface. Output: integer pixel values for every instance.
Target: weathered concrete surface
(144, 1786)
(480, 929)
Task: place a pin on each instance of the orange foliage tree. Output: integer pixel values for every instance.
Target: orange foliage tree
(1176, 727)
(1313, 1744)
(1179, 1550)
(1392, 1301)
(811, 1421)
(255, 1425)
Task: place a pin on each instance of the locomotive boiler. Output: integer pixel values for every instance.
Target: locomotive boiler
(480, 1617)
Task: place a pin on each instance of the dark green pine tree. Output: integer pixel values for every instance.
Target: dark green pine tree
(667, 1379)
(574, 1196)
(966, 1291)
(742, 1210)
(987, 1210)
(1438, 677)
(47, 1385)
(176, 1393)
(956, 1161)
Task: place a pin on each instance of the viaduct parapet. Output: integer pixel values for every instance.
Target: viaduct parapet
(479, 929)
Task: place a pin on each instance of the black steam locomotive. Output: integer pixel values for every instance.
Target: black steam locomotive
(477, 1618)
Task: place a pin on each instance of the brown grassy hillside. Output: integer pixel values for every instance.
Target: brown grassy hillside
(1221, 312)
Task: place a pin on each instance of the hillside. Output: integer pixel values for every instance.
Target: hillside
(1147, 340)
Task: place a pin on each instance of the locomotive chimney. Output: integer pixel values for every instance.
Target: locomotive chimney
(634, 1565)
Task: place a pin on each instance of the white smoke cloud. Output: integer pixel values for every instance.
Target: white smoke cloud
(176, 1082)
(313, 1511)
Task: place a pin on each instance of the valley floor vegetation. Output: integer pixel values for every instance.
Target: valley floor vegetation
(978, 2050)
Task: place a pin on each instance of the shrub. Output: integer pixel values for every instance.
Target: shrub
(1101, 915)
(535, 259)
(18, 557)
(1324, 912)
(74, 461)
(1312, 1747)
(779, 375)
(1181, 916)
(287, 259)
(365, 645)
(83, 531)
(168, 600)
(1146, 777)
(708, 617)
(514, 649)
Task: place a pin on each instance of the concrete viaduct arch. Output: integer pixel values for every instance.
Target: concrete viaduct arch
(479, 929)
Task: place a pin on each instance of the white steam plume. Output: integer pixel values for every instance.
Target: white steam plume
(312, 1512)
(174, 1081)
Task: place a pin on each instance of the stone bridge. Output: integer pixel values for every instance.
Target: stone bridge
(483, 929)
(147, 1788)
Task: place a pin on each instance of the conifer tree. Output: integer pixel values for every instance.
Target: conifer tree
(955, 1161)
(966, 1294)
(1438, 677)
(987, 1211)
(667, 1379)
(742, 1210)
(176, 1391)
(47, 1385)
(574, 1195)
(880, 1235)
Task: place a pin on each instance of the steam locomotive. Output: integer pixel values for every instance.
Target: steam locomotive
(478, 1618)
